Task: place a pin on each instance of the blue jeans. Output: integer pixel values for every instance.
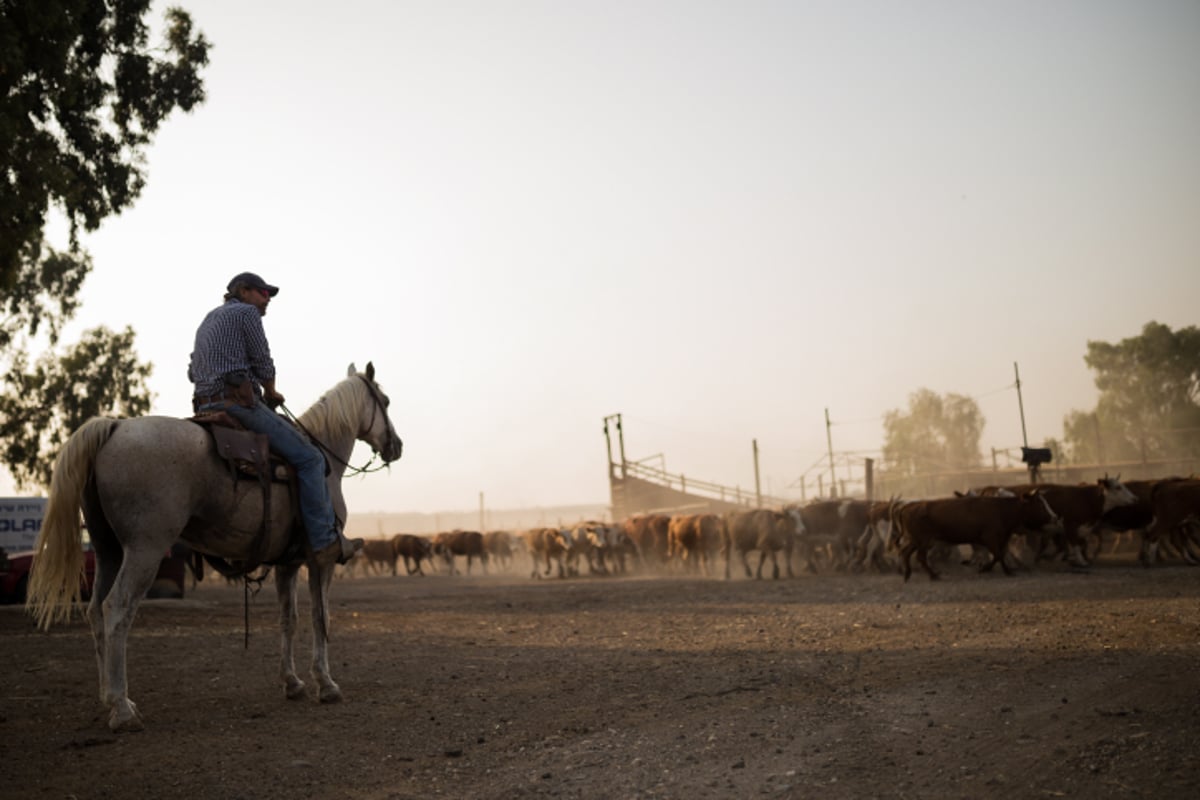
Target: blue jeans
(316, 509)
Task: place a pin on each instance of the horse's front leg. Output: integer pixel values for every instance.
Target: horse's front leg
(289, 615)
(318, 587)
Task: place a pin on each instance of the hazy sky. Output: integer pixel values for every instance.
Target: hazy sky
(717, 218)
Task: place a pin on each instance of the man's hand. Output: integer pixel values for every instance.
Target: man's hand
(271, 397)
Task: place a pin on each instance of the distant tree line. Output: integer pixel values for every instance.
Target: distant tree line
(1149, 406)
(1148, 410)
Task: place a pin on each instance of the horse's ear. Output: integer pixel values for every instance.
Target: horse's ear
(350, 373)
(370, 370)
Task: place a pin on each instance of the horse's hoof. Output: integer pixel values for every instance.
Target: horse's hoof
(330, 694)
(294, 689)
(125, 719)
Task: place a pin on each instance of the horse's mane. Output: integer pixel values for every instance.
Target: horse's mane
(335, 414)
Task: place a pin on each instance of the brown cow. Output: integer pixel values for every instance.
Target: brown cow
(1120, 520)
(413, 549)
(769, 532)
(1017, 544)
(834, 526)
(606, 548)
(499, 547)
(613, 547)
(987, 521)
(1176, 504)
(650, 535)
(580, 547)
(694, 539)
(548, 544)
(460, 543)
(873, 542)
(1081, 507)
(378, 554)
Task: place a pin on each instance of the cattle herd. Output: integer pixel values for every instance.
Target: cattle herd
(1014, 526)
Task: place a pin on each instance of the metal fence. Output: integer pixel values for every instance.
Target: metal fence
(945, 483)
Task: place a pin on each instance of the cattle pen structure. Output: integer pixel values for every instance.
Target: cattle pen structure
(636, 488)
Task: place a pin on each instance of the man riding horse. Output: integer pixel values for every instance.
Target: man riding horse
(232, 370)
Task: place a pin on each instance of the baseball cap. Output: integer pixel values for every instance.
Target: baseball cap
(252, 280)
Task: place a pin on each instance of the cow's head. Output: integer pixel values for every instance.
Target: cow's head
(1115, 492)
(595, 537)
(558, 539)
(797, 519)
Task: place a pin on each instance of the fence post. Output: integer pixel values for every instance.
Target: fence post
(757, 485)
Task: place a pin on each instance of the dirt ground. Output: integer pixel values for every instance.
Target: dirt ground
(1049, 684)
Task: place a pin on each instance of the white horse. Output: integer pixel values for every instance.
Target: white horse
(144, 483)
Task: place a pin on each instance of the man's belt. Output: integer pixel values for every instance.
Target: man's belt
(203, 400)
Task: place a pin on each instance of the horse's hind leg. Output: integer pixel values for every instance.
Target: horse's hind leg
(106, 572)
(318, 587)
(119, 608)
(289, 615)
(108, 562)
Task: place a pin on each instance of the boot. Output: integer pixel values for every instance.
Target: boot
(339, 551)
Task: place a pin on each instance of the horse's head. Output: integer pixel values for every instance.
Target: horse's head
(377, 429)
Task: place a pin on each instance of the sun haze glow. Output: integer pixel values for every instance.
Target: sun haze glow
(717, 218)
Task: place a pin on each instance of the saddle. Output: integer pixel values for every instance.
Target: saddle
(248, 455)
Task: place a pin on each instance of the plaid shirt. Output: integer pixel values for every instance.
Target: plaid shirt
(231, 338)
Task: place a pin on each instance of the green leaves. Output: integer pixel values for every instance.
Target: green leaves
(44, 294)
(47, 401)
(1149, 406)
(82, 93)
(938, 433)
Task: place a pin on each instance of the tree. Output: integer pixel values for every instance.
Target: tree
(56, 396)
(82, 95)
(1149, 406)
(936, 434)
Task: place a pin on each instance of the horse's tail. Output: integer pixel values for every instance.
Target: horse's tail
(57, 570)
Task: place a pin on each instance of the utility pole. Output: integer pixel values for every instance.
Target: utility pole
(1037, 456)
(829, 441)
(757, 486)
(620, 440)
(1021, 405)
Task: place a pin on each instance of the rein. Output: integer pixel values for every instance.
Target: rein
(352, 470)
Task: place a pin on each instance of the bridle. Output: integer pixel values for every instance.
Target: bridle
(378, 405)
